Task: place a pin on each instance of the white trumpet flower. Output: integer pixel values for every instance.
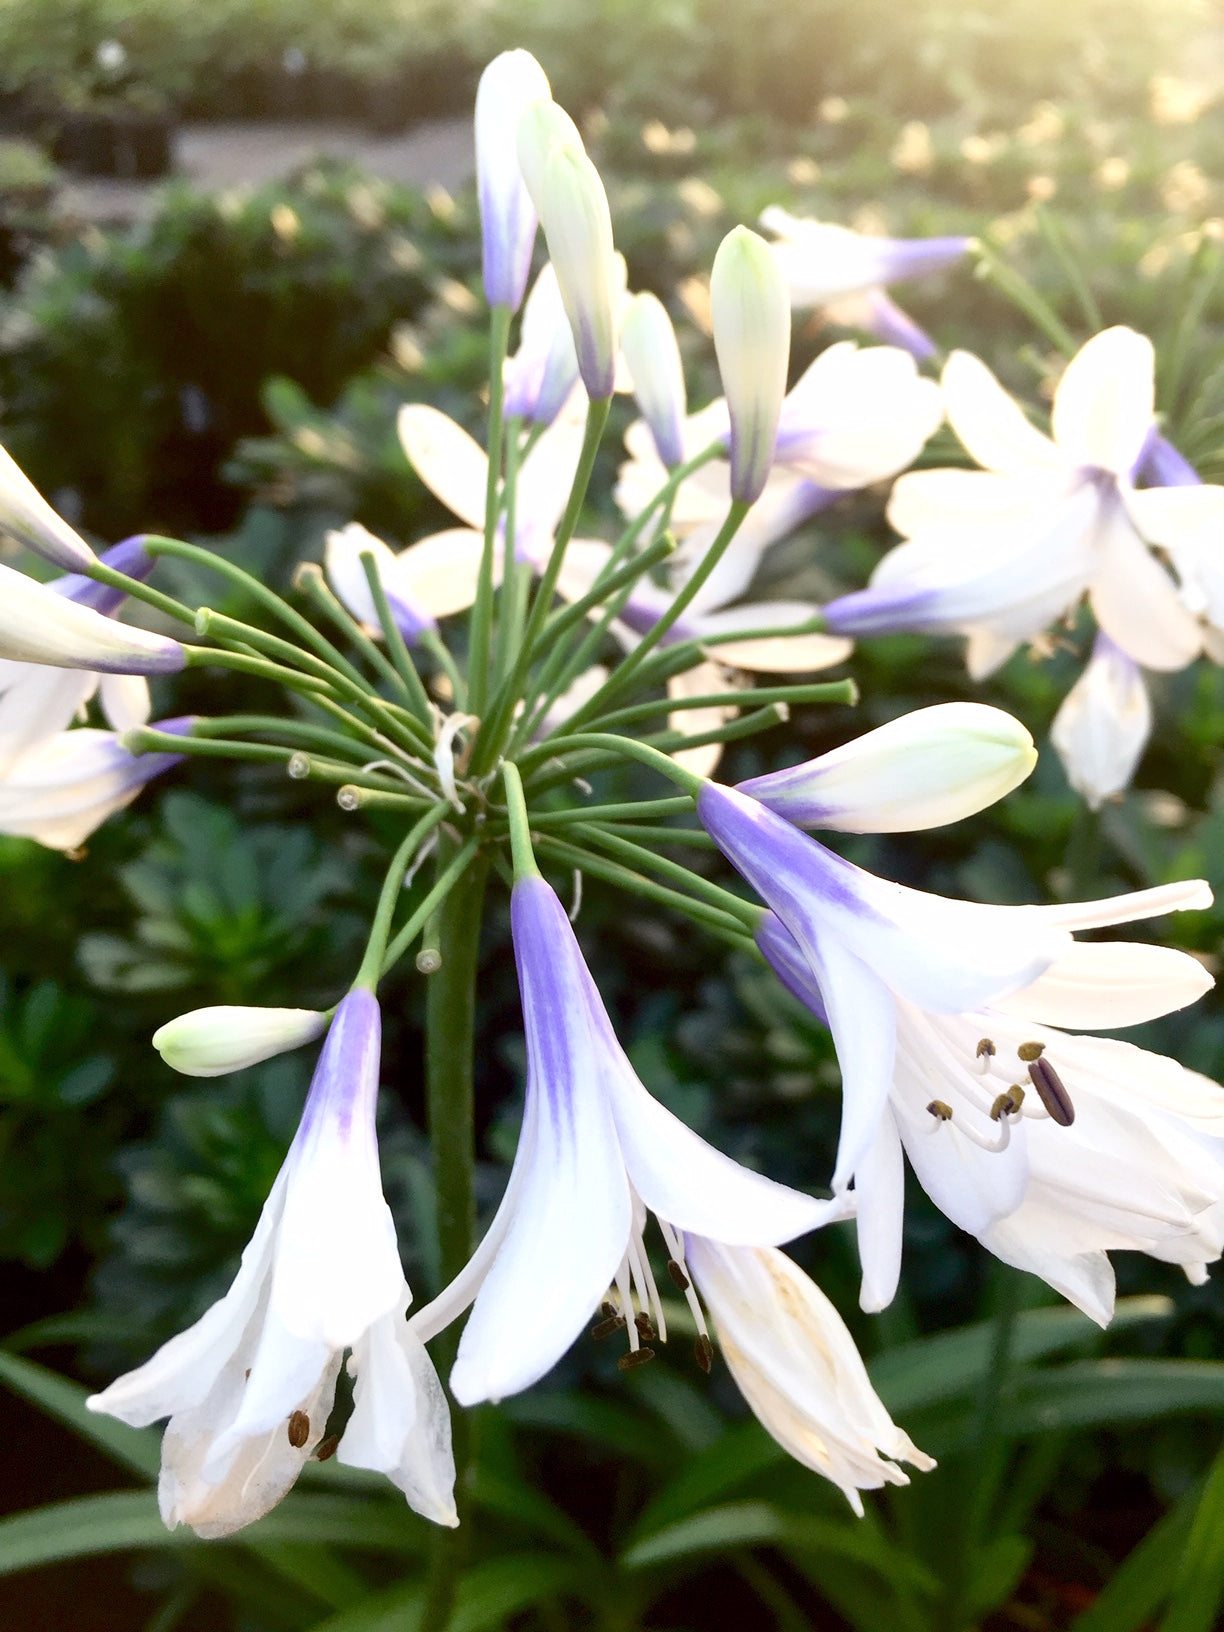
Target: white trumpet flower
(248, 1388)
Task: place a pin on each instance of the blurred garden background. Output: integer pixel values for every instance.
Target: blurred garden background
(225, 364)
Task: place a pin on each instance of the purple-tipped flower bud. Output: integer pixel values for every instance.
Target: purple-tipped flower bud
(648, 342)
(39, 626)
(507, 215)
(573, 208)
(750, 311)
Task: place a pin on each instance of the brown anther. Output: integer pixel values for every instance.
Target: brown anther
(607, 1309)
(605, 1328)
(986, 1048)
(1051, 1092)
(703, 1352)
(635, 1358)
(679, 1279)
(246, 1376)
(1030, 1051)
(326, 1448)
(645, 1330)
(940, 1110)
(299, 1429)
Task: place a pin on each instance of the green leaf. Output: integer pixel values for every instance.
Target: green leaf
(1145, 1577)
(931, 1370)
(487, 1597)
(138, 1449)
(741, 1453)
(997, 1569)
(1084, 1394)
(603, 1422)
(748, 1524)
(738, 1524)
(512, 1498)
(84, 1528)
(1198, 1591)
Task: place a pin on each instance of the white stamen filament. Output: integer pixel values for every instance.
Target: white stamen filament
(625, 1291)
(444, 755)
(675, 1247)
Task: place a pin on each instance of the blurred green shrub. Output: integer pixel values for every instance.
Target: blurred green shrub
(131, 363)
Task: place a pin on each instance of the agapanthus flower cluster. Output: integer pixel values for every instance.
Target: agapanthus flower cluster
(960, 1027)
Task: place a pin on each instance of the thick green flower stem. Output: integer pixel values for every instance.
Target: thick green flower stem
(481, 625)
(494, 731)
(450, 1030)
(376, 947)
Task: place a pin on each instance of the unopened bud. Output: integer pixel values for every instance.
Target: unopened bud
(209, 1042)
(648, 342)
(926, 769)
(750, 312)
(509, 84)
(573, 209)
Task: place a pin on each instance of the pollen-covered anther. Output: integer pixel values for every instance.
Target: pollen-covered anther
(326, 1448)
(635, 1357)
(1002, 1106)
(645, 1329)
(607, 1327)
(940, 1110)
(678, 1278)
(1029, 1052)
(298, 1429)
(1052, 1092)
(985, 1049)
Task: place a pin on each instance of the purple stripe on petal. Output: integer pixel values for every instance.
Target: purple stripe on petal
(161, 656)
(901, 258)
(781, 951)
(883, 611)
(544, 950)
(895, 327)
(344, 1088)
(411, 622)
(770, 854)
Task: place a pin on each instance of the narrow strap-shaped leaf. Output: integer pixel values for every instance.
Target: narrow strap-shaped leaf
(487, 1597)
(1198, 1591)
(138, 1449)
(1145, 1577)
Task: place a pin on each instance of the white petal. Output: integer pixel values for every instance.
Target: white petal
(564, 1223)
(1188, 895)
(447, 460)
(37, 702)
(346, 575)
(857, 416)
(401, 1424)
(440, 573)
(1085, 1279)
(280, 1372)
(992, 425)
(1169, 516)
(879, 1191)
(125, 700)
(925, 499)
(1100, 985)
(798, 1368)
(183, 1370)
(986, 651)
(62, 788)
(1103, 404)
(337, 1265)
(699, 682)
(37, 625)
(262, 1470)
(1103, 725)
(1135, 601)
